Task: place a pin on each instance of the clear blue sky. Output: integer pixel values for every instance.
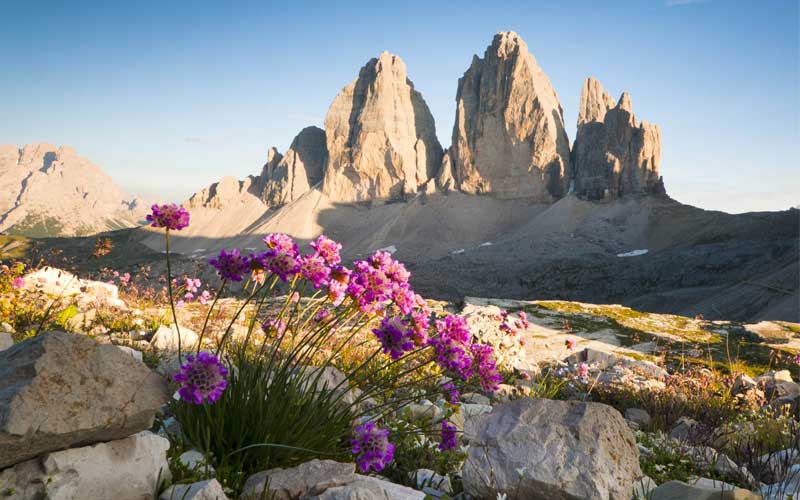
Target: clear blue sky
(169, 96)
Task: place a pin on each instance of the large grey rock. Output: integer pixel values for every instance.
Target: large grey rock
(369, 488)
(201, 490)
(299, 169)
(778, 384)
(168, 338)
(677, 490)
(59, 390)
(546, 449)
(5, 341)
(48, 190)
(509, 136)
(639, 416)
(306, 479)
(613, 153)
(381, 137)
(133, 468)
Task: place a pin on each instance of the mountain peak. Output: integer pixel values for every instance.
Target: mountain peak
(48, 190)
(380, 135)
(509, 137)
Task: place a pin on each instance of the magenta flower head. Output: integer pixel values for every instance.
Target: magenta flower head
(452, 392)
(449, 438)
(202, 378)
(230, 265)
(18, 283)
(169, 216)
(396, 336)
(583, 370)
(485, 367)
(797, 359)
(451, 345)
(283, 263)
(314, 269)
(327, 249)
(371, 447)
(570, 344)
(281, 243)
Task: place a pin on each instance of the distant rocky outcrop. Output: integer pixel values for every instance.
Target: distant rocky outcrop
(284, 177)
(48, 190)
(381, 137)
(296, 171)
(614, 154)
(509, 136)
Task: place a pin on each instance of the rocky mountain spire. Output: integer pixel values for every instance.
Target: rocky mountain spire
(298, 170)
(614, 154)
(381, 138)
(283, 178)
(509, 136)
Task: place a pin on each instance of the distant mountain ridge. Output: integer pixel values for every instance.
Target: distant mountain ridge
(48, 190)
(508, 140)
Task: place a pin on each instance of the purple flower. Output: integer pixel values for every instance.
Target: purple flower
(405, 299)
(202, 378)
(419, 321)
(452, 392)
(322, 315)
(371, 447)
(449, 437)
(314, 269)
(583, 370)
(283, 263)
(281, 243)
(327, 249)
(369, 285)
(396, 337)
(273, 328)
(336, 292)
(169, 216)
(485, 366)
(230, 265)
(18, 283)
(451, 345)
(797, 359)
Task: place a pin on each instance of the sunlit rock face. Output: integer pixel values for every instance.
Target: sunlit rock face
(509, 136)
(381, 138)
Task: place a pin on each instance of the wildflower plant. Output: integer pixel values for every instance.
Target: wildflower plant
(273, 395)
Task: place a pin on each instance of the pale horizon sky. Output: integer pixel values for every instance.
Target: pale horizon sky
(168, 97)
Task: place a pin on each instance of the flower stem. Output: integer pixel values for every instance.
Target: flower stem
(171, 301)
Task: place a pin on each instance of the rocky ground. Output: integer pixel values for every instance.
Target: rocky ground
(598, 402)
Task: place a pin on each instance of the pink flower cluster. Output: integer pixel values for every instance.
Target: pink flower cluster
(170, 216)
(190, 287)
(458, 356)
(521, 323)
(372, 447)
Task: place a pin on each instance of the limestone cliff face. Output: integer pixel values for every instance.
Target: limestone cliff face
(614, 154)
(283, 179)
(48, 190)
(298, 170)
(381, 138)
(509, 136)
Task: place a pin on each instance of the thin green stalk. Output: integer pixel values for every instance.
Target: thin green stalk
(208, 314)
(169, 290)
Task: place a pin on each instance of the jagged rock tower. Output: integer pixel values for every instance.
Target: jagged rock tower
(381, 138)
(509, 136)
(613, 154)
